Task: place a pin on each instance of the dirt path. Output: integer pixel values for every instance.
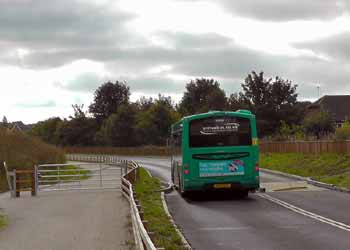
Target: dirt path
(70, 220)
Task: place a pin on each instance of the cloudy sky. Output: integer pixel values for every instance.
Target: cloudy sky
(56, 53)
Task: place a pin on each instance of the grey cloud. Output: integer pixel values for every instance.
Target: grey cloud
(199, 41)
(86, 82)
(71, 26)
(154, 84)
(285, 10)
(336, 47)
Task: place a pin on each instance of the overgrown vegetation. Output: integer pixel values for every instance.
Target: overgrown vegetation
(329, 168)
(165, 234)
(21, 151)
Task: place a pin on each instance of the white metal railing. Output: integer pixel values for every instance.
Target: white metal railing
(142, 237)
(106, 174)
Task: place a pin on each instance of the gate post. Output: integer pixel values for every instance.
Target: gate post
(33, 193)
(35, 181)
(16, 181)
(14, 186)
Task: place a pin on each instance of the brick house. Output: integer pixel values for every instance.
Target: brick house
(337, 105)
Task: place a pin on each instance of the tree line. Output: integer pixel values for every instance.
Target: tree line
(113, 120)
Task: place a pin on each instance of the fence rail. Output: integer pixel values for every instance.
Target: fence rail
(306, 147)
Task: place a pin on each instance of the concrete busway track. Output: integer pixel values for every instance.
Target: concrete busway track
(69, 220)
(301, 217)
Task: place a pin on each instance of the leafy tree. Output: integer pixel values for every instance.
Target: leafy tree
(108, 97)
(202, 95)
(144, 103)
(154, 124)
(78, 131)
(119, 129)
(319, 124)
(237, 101)
(4, 122)
(47, 130)
(272, 100)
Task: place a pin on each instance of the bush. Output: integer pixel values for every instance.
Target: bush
(343, 133)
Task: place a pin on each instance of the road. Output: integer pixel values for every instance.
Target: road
(279, 220)
(66, 220)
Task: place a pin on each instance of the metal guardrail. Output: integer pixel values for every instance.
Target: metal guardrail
(142, 237)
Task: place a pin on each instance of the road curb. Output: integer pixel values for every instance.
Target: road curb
(292, 176)
(183, 239)
(309, 180)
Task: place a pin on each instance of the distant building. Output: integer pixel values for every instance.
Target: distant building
(338, 106)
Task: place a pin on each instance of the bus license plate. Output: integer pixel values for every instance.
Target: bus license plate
(222, 186)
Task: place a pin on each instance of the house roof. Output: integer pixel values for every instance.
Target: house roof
(337, 105)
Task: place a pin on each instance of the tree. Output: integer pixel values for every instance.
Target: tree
(47, 130)
(78, 131)
(237, 101)
(108, 97)
(319, 124)
(154, 124)
(4, 122)
(119, 129)
(271, 100)
(202, 95)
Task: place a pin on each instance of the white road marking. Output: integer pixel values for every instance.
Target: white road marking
(223, 228)
(298, 210)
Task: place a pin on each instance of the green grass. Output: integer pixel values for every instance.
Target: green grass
(165, 234)
(3, 221)
(329, 168)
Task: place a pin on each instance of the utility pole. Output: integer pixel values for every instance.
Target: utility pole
(318, 91)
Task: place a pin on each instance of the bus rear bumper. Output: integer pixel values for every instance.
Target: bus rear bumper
(232, 186)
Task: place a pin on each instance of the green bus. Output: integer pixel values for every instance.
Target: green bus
(215, 151)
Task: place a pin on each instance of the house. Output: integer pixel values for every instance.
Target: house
(338, 106)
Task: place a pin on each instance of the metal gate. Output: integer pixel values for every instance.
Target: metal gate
(79, 176)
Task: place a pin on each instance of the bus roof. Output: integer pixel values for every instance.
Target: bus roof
(239, 113)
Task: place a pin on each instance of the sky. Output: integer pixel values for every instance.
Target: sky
(56, 53)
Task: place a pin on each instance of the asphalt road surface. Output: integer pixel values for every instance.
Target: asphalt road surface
(304, 217)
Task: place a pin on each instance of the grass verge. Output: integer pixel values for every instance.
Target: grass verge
(159, 223)
(3, 221)
(329, 168)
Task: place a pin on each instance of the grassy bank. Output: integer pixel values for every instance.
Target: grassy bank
(21, 151)
(329, 168)
(165, 234)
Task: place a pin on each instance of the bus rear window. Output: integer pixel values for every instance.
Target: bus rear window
(220, 131)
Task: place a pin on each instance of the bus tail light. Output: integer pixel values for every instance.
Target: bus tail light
(257, 167)
(186, 166)
(186, 171)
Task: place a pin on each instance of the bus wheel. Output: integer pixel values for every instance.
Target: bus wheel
(243, 194)
(182, 193)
